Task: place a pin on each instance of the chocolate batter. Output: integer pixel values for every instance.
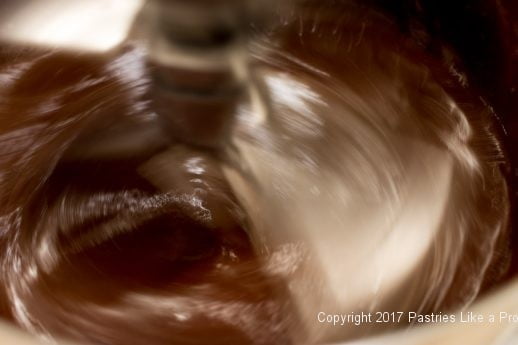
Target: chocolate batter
(90, 250)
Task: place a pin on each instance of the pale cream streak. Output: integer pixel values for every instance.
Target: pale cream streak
(347, 227)
(78, 25)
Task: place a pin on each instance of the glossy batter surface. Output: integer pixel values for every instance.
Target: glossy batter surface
(91, 250)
